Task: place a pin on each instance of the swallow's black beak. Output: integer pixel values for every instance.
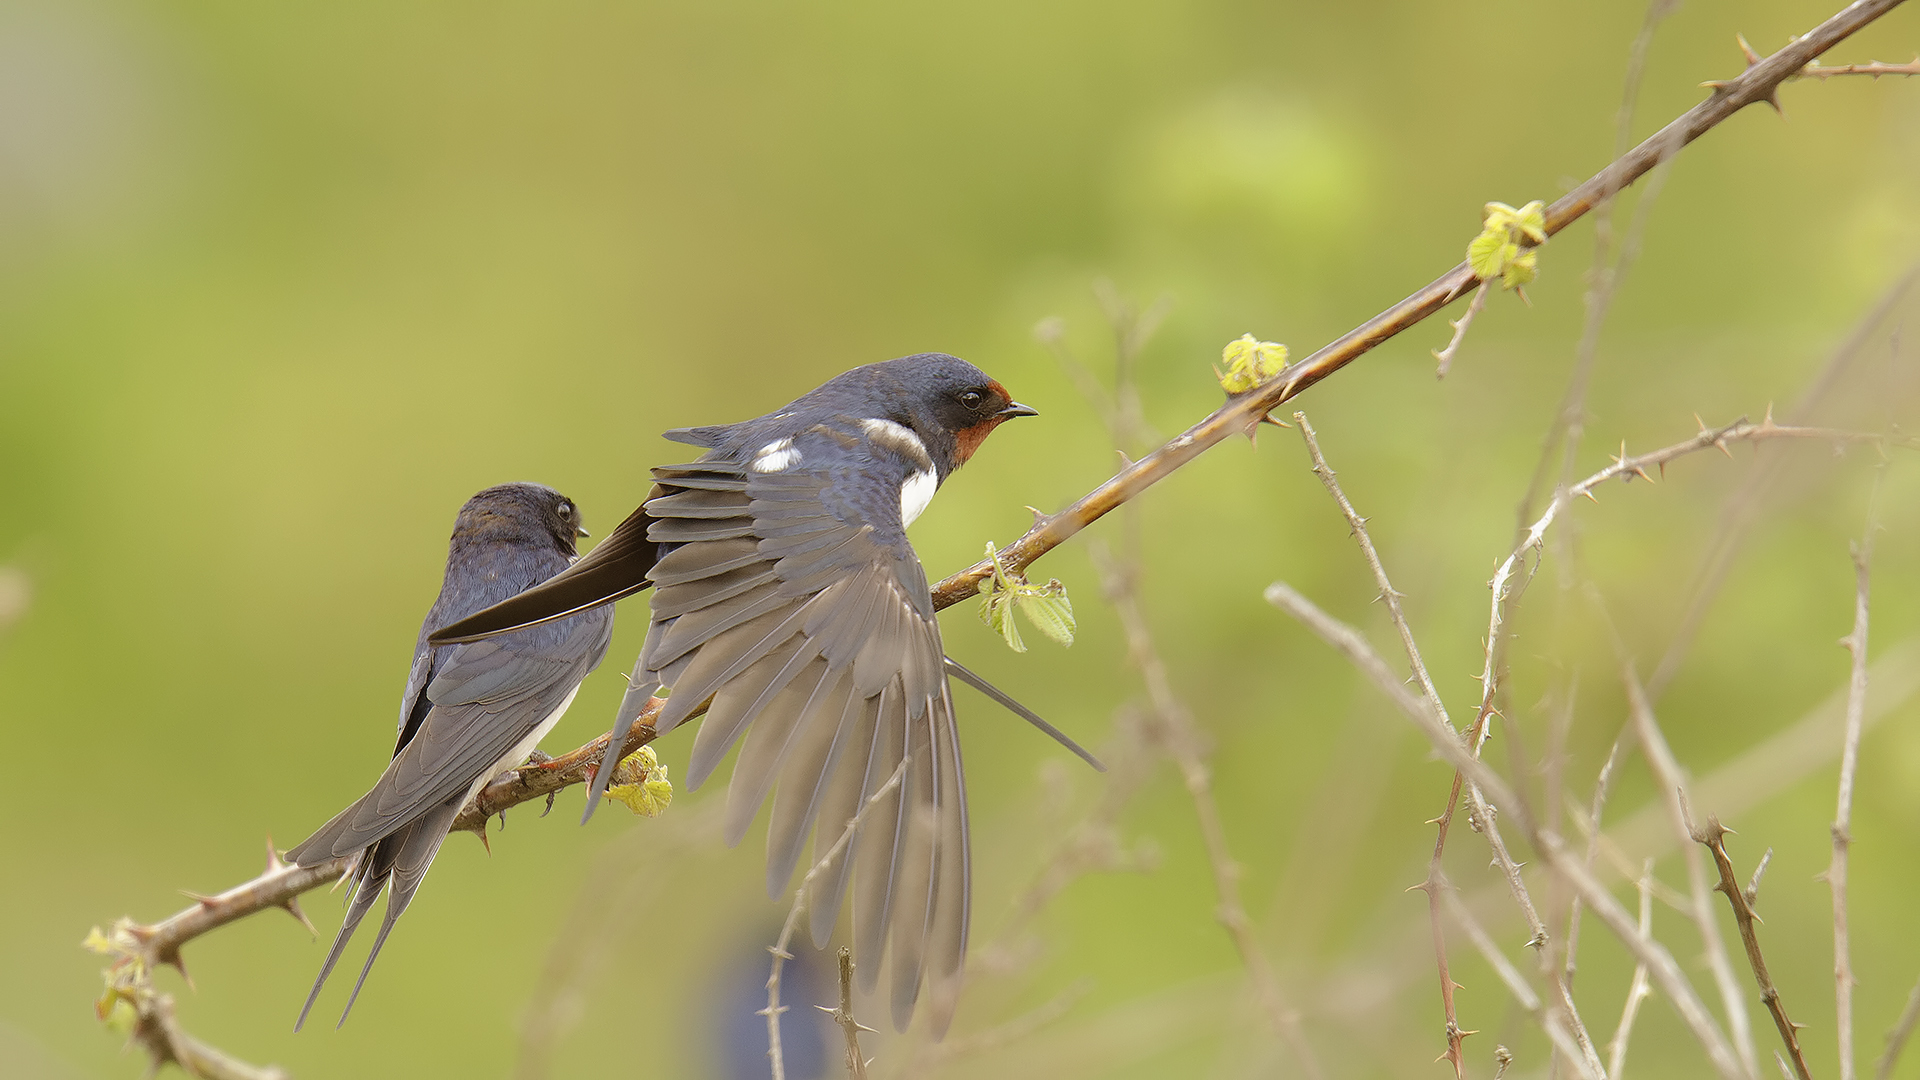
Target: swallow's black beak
(1014, 409)
(581, 530)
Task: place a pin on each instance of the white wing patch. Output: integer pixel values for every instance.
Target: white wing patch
(777, 456)
(916, 493)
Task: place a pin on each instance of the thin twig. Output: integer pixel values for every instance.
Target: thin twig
(1672, 780)
(775, 1052)
(1551, 849)
(1873, 69)
(1637, 990)
(1182, 741)
(1517, 985)
(1602, 787)
(1444, 357)
(1740, 509)
(1480, 813)
(1243, 413)
(1897, 1036)
(1713, 835)
(1855, 644)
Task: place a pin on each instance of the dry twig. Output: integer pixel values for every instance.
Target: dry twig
(1547, 844)
(1897, 1036)
(1855, 644)
(1181, 738)
(1481, 814)
(1672, 779)
(1637, 990)
(775, 1052)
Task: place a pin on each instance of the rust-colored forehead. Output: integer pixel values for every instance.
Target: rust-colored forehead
(994, 385)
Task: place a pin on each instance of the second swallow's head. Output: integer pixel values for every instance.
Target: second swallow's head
(520, 513)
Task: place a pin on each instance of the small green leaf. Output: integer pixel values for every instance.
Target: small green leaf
(1051, 612)
(1484, 254)
(98, 942)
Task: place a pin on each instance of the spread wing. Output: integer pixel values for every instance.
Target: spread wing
(792, 602)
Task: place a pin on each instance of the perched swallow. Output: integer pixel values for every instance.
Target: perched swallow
(469, 710)
(790, 607)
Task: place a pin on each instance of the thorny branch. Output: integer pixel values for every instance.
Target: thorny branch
(1552, 850)
(1243, 413)
(1481, 814)
(1713, 835)
(843, 1016)
(138, 949)
(775, 1052)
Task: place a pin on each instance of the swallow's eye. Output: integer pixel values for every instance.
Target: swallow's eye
(971, 399)
(566, 510)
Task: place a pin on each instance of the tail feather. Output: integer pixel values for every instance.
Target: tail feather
(367, 882)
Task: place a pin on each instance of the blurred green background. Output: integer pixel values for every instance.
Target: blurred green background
(281, 285)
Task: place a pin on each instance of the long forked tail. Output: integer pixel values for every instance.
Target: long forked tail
(400, 860)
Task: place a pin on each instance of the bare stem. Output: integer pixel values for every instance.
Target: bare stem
(1637, 990)
(1672, 779)
(1444, 357)
(1548, 845)
(1897, 1036)
(775, 1052)
(1182, 740)
(1856, 644)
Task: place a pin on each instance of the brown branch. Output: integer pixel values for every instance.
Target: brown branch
(1243, 413)
(1714, 837)
(1551, 849)
(1874, 69)
(1855, 644)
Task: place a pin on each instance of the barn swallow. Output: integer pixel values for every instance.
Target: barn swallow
(789, 605)
(469, 710)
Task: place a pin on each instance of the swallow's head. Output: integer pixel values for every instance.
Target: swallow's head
(950, 404)
(531, 514)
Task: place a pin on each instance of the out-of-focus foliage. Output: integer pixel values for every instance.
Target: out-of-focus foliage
(282, 284)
